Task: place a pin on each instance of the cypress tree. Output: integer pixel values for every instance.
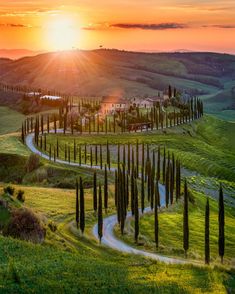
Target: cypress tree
(158, 163)
(100, 215)
(207, 233)
(142, 190)
(105, 189)
(96, 155)
(171, 183)
(167, 187)
(137, 158)
(129, 158)
(221, 223)
(136, 211)
(77, 203)
(156, 202)
(186, 226)
(132, 192)
(101, 160)
(95, 191)
(164, 166)
(82, 207)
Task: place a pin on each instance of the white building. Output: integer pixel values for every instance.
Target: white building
(49, 97)
(113, 103)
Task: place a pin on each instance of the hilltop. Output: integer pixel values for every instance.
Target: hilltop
(102, 72)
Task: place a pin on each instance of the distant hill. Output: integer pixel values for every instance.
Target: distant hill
(17, 53)
(106, 72)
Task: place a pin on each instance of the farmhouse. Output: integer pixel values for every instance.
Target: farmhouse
(49, 97)
(113, 103)
(147, 102)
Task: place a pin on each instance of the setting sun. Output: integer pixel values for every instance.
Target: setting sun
(62, 34)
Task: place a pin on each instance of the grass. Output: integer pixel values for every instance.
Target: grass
(205, 146)
(70, 262)
(171, 231)
(10, 120)
(82, 265)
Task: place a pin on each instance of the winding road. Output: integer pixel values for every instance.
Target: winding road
(109, 239)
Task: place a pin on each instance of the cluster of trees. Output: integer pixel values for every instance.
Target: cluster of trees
(72, 120)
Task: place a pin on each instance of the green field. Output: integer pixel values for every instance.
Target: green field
(68, 262)
(10, 120)
(81, 264)
(171, 231)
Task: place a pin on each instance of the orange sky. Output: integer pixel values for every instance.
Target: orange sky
(162, 25)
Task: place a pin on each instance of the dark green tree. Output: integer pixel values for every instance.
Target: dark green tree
(77, 203)
(186, 225)
(207, 233)
(82, 207)
(100, 215)
(221, 223)
(95, 191)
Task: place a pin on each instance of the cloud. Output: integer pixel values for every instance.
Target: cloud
(141, 26)
(13, 25)
(154, 27)
(220, 26)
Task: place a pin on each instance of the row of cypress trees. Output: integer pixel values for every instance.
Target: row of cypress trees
(156, 117)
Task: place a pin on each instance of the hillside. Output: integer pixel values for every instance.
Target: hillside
(102, 72)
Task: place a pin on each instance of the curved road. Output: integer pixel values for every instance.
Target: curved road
(109, 239)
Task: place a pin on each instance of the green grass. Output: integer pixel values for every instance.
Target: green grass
(205, 146)
(10, 120)
(171, 231)
(69, 262)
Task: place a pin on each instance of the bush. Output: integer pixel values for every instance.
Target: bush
(9, 190)
(25, 225)
(32, 163)
(20, 196)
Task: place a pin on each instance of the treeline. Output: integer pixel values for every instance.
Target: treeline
(72, 122)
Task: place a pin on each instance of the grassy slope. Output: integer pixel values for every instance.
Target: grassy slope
(10, 120)
(75, 263)
(60, 259)
(205, 146)
(171, 231)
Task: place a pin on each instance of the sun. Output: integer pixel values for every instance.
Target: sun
(62, 34)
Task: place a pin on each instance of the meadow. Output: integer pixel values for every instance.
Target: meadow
(70, 262)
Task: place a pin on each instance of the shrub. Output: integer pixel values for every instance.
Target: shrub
(20, 196)
(25, 225)
(33, 162)
(9, 190)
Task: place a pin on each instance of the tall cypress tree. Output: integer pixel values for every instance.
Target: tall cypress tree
(221, 223)
(142, 189)
(156, 202)
(186, 226)
(77, 203)
(82, 207)
(95, 191)
(164, 166)
(207, 233)
(105, 189)
(136, 209)
(100, 215)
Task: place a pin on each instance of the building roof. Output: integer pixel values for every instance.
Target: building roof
(50, 97)
(113, 100)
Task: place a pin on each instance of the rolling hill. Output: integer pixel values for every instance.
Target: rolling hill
(102, 72)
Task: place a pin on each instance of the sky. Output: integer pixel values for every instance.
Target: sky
(149, 25)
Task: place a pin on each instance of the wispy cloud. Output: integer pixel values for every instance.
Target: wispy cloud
(220, 26)
(155, 26)
(140, 26)
(15, 25)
